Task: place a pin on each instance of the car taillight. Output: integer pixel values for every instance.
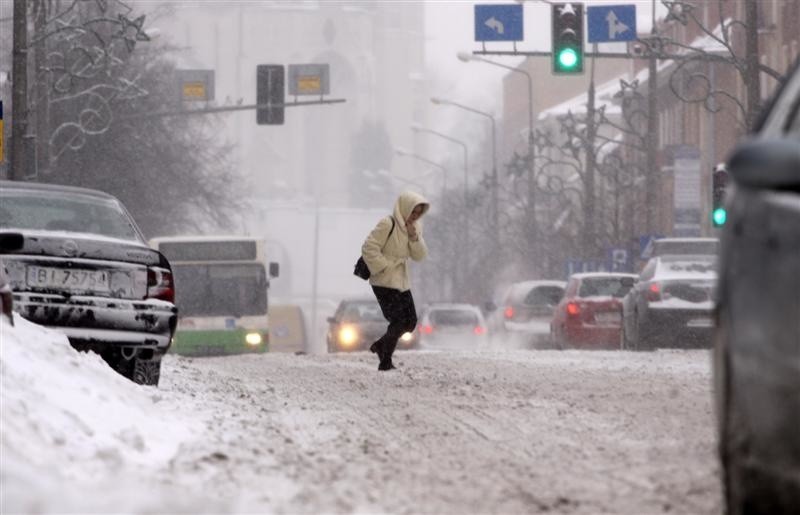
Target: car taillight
(426, 329)
(509, 312)
(160, 284)
(479, 330)
(653, 292)
(573, 309)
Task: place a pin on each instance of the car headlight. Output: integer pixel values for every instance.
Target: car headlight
(407, 337)
(253, 339)
(348, 335)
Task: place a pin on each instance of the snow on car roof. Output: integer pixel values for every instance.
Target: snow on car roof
(451, 305)
(53, 188)
(586, 275)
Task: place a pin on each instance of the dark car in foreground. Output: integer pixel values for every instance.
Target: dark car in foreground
(357, 323)
(85, 270)
(671, 304)
(757, 334)
(589, 314)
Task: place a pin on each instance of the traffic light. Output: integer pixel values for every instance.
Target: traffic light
(270, 86)
(567, 21)
(719, 180)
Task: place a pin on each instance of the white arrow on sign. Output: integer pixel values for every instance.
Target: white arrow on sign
(495, 24)
(615, 26)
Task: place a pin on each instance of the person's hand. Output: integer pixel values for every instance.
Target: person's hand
(411, 228)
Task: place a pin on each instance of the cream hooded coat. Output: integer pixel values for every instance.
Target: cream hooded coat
(387, 258)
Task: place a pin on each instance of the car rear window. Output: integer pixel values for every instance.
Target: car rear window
(603, 287)
(682, 267)
(544, 296)
(48, 211)
(677, 247)
(453, 317)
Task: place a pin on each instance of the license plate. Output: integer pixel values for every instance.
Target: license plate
(700, 322)
(68, 278)
(611, 317)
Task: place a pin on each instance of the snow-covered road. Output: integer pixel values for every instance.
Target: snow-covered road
(490, 432)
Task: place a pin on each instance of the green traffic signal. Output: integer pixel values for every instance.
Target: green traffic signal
(719, 216)
(567, 59)
(567, 33)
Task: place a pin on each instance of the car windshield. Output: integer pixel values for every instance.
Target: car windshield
(603, 287)
(53, 211)
(453, 317)
(221, 290)
(363, 312)
(544, 296)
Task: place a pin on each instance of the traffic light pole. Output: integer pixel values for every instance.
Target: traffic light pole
(213, 110)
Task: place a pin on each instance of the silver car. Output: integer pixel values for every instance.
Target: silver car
(85, 270)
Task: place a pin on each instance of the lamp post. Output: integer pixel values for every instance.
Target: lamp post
(532, 225)
(446, 287)
(406, 153)
(495, 183)
(420, 129)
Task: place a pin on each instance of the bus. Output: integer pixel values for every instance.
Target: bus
(221, 288)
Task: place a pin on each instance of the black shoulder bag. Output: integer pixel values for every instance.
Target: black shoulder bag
(361, 269)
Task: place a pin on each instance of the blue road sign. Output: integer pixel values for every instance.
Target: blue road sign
(498, 22)
(577, 266)
(610, 23)
(619, 260)
(646, 244)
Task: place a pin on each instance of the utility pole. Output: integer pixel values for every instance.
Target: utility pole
(591, 158)
(752, 82)
(41, 102)
(650, 172)
(19, 93)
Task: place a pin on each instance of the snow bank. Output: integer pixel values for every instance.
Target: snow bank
(70, 425)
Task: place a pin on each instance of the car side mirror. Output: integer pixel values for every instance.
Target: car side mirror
(11, 241)
(274, 269)
(628, 282)
(489, 306)
(770, 164)
(331, 320)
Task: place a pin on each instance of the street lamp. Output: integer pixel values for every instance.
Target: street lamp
(495, 182)
(420, 129)
(467, 57)
(406, 153)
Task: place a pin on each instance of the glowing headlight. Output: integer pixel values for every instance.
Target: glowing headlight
(253, 338)
(348, 335)
(407, 337)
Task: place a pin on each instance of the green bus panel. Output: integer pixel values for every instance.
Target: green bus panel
(217, 342)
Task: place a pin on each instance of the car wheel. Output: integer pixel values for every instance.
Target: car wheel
(639, 342)
(624, 344)
(146, 371)
(557, 339)
(747, 488)
(140, 371)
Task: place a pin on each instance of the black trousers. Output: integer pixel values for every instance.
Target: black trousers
(398, 308)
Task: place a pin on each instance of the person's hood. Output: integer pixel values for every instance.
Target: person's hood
(406, 203)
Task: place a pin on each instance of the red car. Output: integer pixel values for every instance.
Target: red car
(590, 312)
